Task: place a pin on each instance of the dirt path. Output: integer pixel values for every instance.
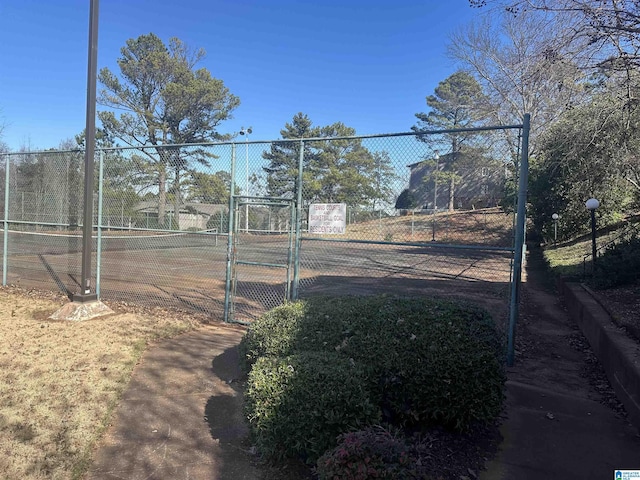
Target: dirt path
(562, 418)
(550, 346)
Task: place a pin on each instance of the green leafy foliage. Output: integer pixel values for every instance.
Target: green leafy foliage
(591, 151)
(422, 361)
(406, 200)
(298, 405)
(371, 453)
(619, 265)
(335, 168)
(272, 335)
(209, 188)
(283, 157)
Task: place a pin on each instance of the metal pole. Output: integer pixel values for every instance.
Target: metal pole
(99, 223)
(593, 238)
(228, 317)
(519, 240)
(85, 294)
(435, 183)
(296, 260)
(292, 214)
(5, 249)
(412, 220)
(246, 182)
(433, 228)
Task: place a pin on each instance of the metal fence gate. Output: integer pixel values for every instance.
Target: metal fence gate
(260, 262)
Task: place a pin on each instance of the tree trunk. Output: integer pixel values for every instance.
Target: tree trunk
(162, 196)
(176, 201)
(452, 181)
(452, 189)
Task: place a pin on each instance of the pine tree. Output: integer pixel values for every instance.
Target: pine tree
(457, 103)
(284, 157)
(165, 101)
(336, 168)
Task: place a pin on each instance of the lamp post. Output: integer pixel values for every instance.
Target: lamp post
(591, 205)
(85, 294)
(555, 217)
(246, 180)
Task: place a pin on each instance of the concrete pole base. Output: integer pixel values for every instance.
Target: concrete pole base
(79, 311)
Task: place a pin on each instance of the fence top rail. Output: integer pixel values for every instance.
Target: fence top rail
(284, 140)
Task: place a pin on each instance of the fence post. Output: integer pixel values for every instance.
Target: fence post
(227, 290)
(296, 259)
(519, 241)
(290, 253)
(99, 223)
(5, 250)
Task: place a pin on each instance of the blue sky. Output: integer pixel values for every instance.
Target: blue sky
(367, 63)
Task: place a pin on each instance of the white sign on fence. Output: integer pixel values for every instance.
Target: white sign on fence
(328, 218)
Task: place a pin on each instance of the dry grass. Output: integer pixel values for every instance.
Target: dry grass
(60, 381)
(567, 258)
(490, 226)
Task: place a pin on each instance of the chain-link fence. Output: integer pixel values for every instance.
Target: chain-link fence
(233, 229)
(438, 218)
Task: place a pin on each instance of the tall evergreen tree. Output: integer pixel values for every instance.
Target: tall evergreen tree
(458, 102)
(346, 171)
(284, 157)
(335, 168)
(165, 101)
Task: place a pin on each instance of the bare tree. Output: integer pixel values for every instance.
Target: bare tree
(521, 67)
(604, 34)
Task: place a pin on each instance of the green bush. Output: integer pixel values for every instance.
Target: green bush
(298, 405)
(420, 361)
(432, 361)
(619, 265)
(273, 334)
(442, 361)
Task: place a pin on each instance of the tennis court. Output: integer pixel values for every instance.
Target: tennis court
(157, 247)
(189, 270)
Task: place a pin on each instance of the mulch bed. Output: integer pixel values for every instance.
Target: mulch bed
(446, 455)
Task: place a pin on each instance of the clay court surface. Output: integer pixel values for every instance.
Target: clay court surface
(189, 270)
(194, 277)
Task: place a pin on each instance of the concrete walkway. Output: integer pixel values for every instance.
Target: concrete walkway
(556, 425)
(181, 416)
(164, 428)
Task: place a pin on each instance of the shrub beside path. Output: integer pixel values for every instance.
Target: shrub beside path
(181, 415)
